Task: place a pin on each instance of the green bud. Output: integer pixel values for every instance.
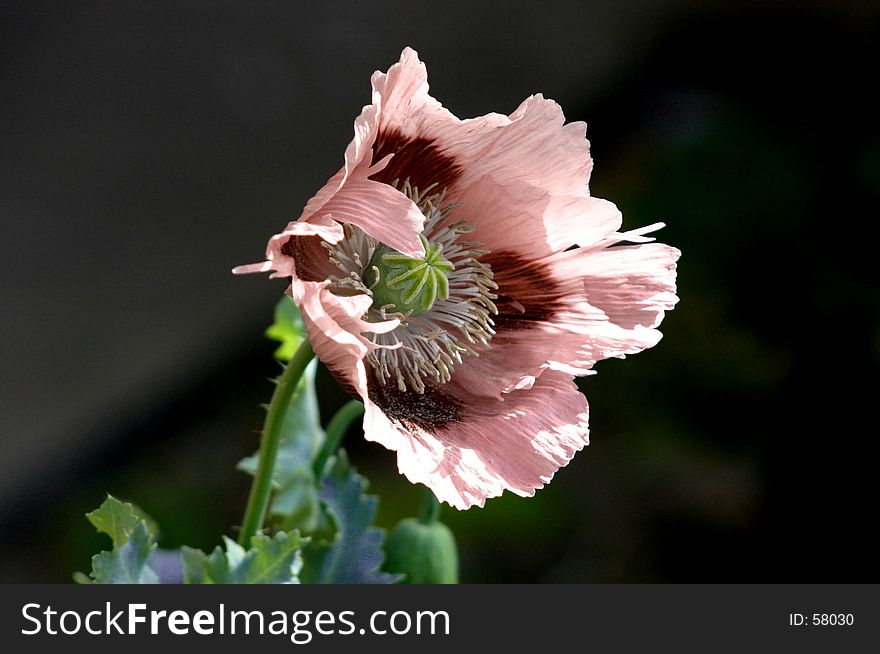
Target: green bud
(425, 553)
(409, 283)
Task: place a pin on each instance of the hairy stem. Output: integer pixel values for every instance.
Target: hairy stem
(261, 488)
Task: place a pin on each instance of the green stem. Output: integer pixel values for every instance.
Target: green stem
(429, 513)
(336, 429)
(261, 488)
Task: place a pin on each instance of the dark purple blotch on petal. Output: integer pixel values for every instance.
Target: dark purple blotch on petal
(309, 257)
(527, 292)
(418, 159)
(429, 411)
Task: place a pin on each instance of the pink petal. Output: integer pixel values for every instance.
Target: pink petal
(634, 285)
(335, 330)
(284, 264)
(356, 154)
(350, 197)
(570, 310)
(402, 95)
(516, 444)
(539, 168)
(520, 173)
(381, 211)
(249, 268)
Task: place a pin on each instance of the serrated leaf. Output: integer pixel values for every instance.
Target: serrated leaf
(201, 568)
(276, 560)
(355, 555)
(118, 519)
(295, 503)
(273, 560)
(288, 328)
(127, 563)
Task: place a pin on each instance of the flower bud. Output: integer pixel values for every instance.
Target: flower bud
(425, 553)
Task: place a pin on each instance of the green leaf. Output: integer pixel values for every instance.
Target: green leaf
(276, 560)
(134, 557)
(355, 555)
(295, 503)
(128, 562)
(213, 568)
(118, 519)
(273, 560)
(287, 328)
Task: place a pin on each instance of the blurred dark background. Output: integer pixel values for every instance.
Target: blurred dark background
(145, 149)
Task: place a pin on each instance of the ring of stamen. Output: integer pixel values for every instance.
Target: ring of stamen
(428, 343)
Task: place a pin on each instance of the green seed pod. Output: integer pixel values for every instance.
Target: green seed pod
(406, 283)
(425, 553)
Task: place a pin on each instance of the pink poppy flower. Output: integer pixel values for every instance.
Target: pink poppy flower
(456, 275)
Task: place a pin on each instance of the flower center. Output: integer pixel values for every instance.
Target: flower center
(407, 284)
(443, 299)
